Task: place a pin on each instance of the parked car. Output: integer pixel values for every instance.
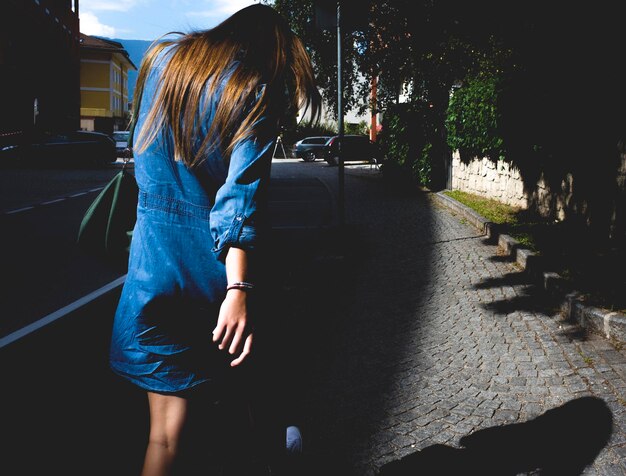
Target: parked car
(82, 148)
(310, 148)
(353, 148)
(121, 142)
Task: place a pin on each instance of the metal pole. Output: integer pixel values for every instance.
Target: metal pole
(341, 194)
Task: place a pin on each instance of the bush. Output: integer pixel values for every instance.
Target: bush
(472, 117)
(406, 140)
(360, 129)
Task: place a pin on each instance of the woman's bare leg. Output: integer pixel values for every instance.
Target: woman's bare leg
(167, 419)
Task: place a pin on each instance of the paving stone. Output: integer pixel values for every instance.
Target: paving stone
(484, 411)
(576, 385)
(403, 441)
(432, 331)
(611, 470)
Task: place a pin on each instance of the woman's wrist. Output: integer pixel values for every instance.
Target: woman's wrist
(237, 295)
(240, 286)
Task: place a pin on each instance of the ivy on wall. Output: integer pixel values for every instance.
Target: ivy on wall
(473, 116)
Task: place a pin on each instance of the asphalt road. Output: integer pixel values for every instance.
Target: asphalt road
(64, 410)
(44, 269)
(41, 212)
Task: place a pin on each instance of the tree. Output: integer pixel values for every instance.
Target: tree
(411, 48)
(322, 47)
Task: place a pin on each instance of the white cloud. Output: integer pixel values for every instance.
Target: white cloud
(108, 5)
(222, 8)
(229, 7)
(90, 25)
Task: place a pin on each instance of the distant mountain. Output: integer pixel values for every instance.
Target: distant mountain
(136, 50)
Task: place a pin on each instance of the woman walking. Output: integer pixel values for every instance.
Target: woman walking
(211, 104)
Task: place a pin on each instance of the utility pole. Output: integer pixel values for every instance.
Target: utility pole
(329, 16)
(340, 127)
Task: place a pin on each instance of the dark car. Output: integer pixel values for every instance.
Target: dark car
(121, 143)
(353, 148)
(310, 148)
(80, 148)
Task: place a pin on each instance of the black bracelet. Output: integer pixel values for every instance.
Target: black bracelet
(243, 285)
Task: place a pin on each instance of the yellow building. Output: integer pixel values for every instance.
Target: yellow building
(104, 66)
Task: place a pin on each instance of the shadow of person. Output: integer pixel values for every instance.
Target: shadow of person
(561, 441)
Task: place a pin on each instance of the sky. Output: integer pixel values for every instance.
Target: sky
(149, 19)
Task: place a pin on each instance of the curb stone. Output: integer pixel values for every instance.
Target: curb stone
(611, 325)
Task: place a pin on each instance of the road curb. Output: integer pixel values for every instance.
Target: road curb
(611, 325)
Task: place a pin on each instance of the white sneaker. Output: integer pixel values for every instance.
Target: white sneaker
(294, 440)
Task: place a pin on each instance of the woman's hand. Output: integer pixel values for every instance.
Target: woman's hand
(233, 331)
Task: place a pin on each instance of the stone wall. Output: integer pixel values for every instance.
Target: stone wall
(558, 199)
(499, 180)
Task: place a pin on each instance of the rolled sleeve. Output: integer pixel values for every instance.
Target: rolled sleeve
(239, 214)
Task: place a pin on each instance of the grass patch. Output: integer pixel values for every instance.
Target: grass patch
(499, 213)
(588, 360)
(490, 209)
(591, 265)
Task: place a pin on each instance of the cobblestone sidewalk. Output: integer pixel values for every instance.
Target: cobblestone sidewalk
(423, 351)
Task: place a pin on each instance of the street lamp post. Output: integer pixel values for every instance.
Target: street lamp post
(340, 127)
(329, 15)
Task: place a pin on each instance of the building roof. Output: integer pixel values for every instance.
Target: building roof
(97, 43)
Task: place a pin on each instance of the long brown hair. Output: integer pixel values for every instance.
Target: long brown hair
(272, 74)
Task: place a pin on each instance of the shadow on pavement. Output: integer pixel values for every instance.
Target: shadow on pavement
(507, 279)
(63, 411)
(529, 296)
(530, 299)
(561, 441)
(340, 329)
(351, 320)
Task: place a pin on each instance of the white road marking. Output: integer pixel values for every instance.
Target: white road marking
(64, 311)
(18, 210)
(50, 202)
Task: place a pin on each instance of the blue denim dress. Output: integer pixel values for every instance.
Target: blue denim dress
(186, 221)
